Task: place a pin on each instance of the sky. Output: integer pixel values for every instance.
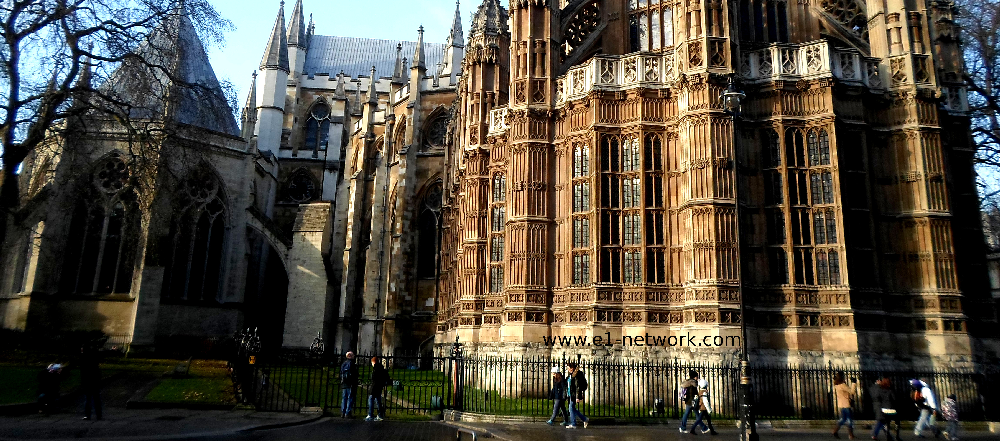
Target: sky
(384, 19)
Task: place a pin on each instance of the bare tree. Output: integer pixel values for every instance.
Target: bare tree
(61, 59)
(980, 24)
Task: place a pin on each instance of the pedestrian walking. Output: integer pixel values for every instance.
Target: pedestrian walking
(376, 404)
(90, 381)
(923, 398)
(845, 398)
(688, 393)
(49, 380)
(884, 402)
(703, 403)
(949, 410)
(348, 385)
(558, 396)
(577, 385)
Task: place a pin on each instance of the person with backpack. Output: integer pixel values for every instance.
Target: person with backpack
(884, 403)
(577, 386)
(687, 394)
(923, 398)
(703, 403)
(558, 396)
(348, 385)
(845, 395)
(376, 404)
(949, 410)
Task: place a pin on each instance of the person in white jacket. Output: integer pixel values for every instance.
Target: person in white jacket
(704, 406)
(923, 398)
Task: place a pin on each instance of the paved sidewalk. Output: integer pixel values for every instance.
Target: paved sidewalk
(543, 432)
(120, 423)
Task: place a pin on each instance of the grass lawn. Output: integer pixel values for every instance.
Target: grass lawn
(208, 383)
(21, 383)
(320, 386)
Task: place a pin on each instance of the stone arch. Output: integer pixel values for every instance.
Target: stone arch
(399, 137)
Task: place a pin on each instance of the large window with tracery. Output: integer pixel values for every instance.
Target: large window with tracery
(317, 129)
(100, 254)
(621, 208)
(198, 236)
(497, 220)
(651, 24)
(803, 224)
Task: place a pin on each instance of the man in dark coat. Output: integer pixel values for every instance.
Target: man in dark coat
(90, 380)
(577, 385)
(348, 385)
(884, 402)
(688, 394)
(376, 404)
(558, 396)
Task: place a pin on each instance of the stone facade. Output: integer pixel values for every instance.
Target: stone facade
(594, 181)
(317, 216)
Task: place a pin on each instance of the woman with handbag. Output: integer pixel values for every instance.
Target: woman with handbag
(845, 395)
(884, 402)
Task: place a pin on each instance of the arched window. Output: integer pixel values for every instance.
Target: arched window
(194, 268)
(317, 129)
(103, 237)
(427, 232)
(772, 147)
(779, 266)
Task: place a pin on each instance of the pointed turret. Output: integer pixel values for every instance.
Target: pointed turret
(310, 30)
(455, 38)
(341, 90)
(455, 50)
(297, 27)
(248, 118)
(273, 90)
(297, 44)
(397, 73)
(419, 59)
(490, 19)
(276, 52)
(372, 95)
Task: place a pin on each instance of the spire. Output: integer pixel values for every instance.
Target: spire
(372, 96)
(398, 71)
(310, 30)
(249, 117)
(276, 52)
(297, 27)
(455, 38)
(86, 73)
(418, 54)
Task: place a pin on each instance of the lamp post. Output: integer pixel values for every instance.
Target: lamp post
(732, 102)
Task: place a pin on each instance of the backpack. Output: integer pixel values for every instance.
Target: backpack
(583, 384)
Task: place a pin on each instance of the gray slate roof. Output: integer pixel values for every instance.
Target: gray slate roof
(356, 56)
(200, 101)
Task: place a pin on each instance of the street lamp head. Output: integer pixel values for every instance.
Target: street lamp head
(732, 99)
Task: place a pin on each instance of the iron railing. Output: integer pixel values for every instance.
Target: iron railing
(618, 388)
